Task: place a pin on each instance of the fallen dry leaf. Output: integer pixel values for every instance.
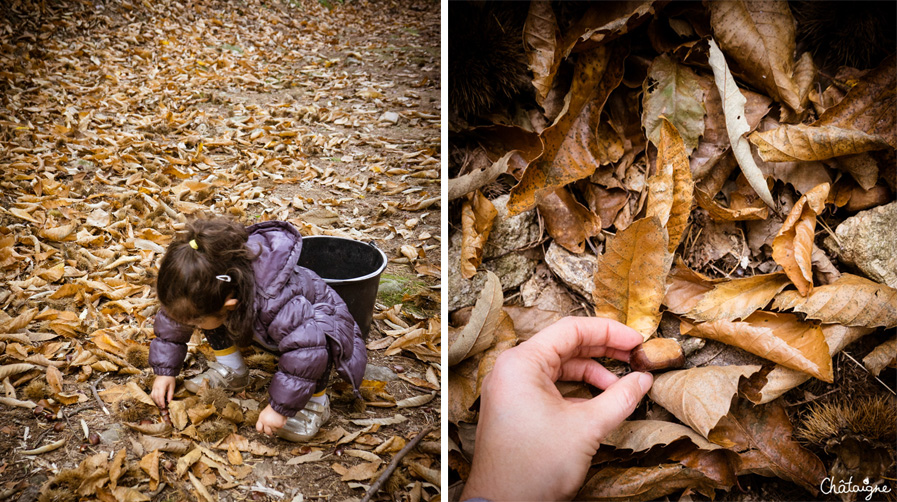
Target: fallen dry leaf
(882, 356)
(641, 435)
(477, 217)
(568, 222)
(809, 142)
(673, 92)
(670, 191)
(645, 483)
(738, 298)
(540, 36)
(478, 334)
(792, 247)
(781, 338)
(699, 397)
(851, 300)
(631, 276)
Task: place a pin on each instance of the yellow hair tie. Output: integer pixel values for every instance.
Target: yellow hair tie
(193, 244)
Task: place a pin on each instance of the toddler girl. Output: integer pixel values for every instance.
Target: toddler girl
(238, 285)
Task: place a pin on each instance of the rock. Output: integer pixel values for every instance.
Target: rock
(512, 269)
(576, 270)
(391, 117)
(379, 373)
(112, 435)
(544, 292)
(510, 233)
(867, 242)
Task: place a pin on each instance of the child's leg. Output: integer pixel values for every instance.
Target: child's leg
(226, 352)
(320, 395)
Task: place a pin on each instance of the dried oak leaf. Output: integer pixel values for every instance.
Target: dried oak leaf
(851, 301)
(699, 397)
(568, 222)
(781, 338)
(761, 435)
(571, 148)
(738, 298)
(792, 248)
(477, 215)
(631, 276)
(670, 191)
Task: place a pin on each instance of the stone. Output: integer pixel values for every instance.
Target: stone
(866, 241)
(541, 290)
(512, 269)
(112, 435)
(576, 270)
(379, 373)
(391, 117)
(510, 233)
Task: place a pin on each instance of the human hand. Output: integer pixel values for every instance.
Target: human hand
(163, 390)
(269, 421)
(534, 444)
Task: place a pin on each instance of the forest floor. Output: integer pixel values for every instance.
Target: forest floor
(121, 119)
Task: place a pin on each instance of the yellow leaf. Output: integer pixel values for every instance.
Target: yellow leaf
(568, 222)
(60, 233)
(630, 281)
(233, 455)
(150, 465)
(781, 338)
(792, 248)
(187, 461)
(738, 298)
(670, 191)
(477, 215)
(851, 301)
(797, 142)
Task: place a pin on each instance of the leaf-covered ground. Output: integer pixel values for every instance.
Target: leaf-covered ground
(718, 173)
(120, 119)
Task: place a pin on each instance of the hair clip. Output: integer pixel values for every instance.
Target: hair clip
(193, 244)
(225, 278)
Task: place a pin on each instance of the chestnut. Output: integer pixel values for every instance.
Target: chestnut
(657, 354)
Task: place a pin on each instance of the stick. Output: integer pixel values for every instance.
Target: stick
(394, 463)
(96, 395)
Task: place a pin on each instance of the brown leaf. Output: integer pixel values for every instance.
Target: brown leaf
(781, 338)
(540, 37)
(760, 36)
(479, 333)
(761, 435)
(699, 397)
(685, 288)
(187, 461)
(882, 356)
(462, 390)
(851, 301)
(672, 91)
(792, 248)
(645, 483)
(505, 338)
(641, 435)
(150, 465)
(810, 142)
(631, 276)
(763, 388)
(670, 190)
(721, 213)
(117, 466)
(604, 22)
(477, 215)
(738, 298)
(870, 106)
(530, 320)
(568, 222)
(570, 149)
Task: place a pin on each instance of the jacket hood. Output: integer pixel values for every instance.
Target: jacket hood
(278, 245)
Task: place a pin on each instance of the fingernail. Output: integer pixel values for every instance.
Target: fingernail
(644, 381)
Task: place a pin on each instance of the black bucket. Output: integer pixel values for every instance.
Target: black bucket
(352, 268)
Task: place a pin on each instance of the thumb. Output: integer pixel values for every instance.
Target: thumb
(619, 401)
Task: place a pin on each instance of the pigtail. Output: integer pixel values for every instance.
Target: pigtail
(204, 265)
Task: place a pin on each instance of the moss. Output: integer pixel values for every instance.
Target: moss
(396, 288)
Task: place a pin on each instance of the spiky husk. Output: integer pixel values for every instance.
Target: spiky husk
(262, 361)
(132, 410)
(856, 34)
(214, 430)
(872, 418)
(37, 390)
(137, 355)
(215, 396)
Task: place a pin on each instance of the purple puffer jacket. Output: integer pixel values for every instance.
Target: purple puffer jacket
(297, 315)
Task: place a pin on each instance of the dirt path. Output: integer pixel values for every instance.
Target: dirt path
(120, 119)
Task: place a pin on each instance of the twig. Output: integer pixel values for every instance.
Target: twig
(40, 436)
(394, 463)
(805, 401)
(867, 371)
(96, 395)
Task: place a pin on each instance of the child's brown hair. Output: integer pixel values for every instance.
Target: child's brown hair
(205, 265)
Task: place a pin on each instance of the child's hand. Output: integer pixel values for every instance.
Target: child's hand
(269, 421)
(163, 390)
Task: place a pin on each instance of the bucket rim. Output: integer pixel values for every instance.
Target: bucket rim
(373, 274)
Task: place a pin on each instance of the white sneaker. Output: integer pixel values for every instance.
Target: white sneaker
(306, 423)
(218, 376)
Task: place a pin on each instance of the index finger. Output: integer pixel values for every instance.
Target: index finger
(577, 337)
